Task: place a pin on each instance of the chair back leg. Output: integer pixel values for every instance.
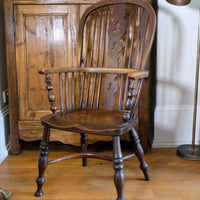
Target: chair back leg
(84, 145)
(139, 152)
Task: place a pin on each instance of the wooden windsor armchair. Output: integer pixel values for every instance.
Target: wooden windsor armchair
(101, 95)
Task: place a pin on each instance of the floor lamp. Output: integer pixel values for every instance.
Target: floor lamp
(191, 151)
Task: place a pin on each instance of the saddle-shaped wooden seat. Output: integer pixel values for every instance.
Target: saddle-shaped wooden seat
(103, 122)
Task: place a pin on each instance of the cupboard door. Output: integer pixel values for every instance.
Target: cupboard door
(45, 38)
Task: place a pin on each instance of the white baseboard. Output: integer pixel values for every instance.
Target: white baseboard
(3, 154)
(169, 144)
(173, 126)
(4, 148)
(4, 111)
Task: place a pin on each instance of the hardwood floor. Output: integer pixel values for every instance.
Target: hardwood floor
(172, 178)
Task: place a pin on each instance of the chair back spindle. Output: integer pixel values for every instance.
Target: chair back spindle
(61, 92)
(67, 92)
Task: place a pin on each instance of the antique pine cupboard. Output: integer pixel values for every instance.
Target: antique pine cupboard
(42, 34)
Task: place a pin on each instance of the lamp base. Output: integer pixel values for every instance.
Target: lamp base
(185, 151)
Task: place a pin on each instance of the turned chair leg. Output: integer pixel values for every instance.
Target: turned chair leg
(139, 153)
(43, 161)
(84, 145)
(119, 179)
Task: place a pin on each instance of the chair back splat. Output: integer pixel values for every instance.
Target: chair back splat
(100, 95)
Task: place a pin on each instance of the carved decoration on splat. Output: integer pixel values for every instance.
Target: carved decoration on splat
(110, 88)
(116, 31)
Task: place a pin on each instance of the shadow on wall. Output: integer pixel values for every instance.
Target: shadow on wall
(175, 75)
(195, 4)
(172, 121)
(171, 38)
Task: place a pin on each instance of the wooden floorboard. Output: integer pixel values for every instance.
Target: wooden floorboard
(172, 178)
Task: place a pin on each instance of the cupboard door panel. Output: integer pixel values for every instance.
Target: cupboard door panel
(45, 38)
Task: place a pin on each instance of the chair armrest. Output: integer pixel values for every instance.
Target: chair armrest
(132, 73)
(138, 75)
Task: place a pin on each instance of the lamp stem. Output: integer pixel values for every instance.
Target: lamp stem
(196, 87)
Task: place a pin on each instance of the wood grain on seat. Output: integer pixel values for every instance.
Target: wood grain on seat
(104, 122)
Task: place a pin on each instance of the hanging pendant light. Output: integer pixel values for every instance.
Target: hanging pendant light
(179, 2)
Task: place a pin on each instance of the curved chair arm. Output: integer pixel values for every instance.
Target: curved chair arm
(132, 73)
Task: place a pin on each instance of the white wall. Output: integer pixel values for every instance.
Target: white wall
(4, 144)
(176, 65)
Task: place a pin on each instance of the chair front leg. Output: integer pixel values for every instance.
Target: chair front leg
(43, 161)
(119, 179)
(139, 153)
(84, 145)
